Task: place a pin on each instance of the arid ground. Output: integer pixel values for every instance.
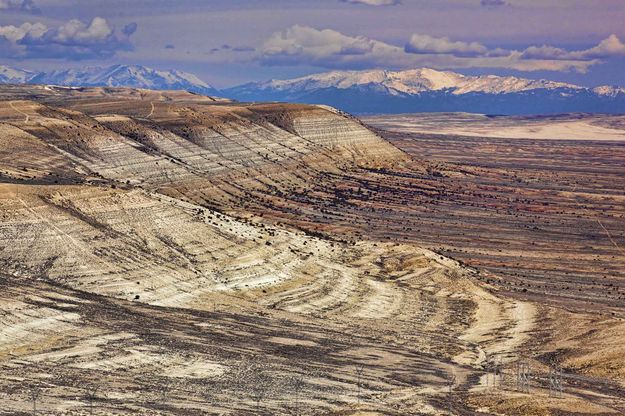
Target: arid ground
(168, 253)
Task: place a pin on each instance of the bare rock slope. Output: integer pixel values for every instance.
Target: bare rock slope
(153, 263)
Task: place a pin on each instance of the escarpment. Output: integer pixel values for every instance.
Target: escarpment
(180, 253)
(218, 155)
(134, 200)
(132, 183)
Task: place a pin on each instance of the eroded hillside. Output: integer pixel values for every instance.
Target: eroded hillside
(186, 256)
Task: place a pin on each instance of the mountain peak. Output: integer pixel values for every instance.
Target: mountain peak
(431, 90)
(10, 75)
(135, 76)
(413, 81)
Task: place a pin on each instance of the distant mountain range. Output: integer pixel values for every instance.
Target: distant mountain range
(361, 92)
(135, 76)
(428, 90)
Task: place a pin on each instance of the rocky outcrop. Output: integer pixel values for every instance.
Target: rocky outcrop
(131, 182)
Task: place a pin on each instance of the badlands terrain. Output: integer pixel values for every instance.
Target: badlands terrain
(176, 254)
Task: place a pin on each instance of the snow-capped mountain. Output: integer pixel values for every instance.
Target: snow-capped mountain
(126, 76)
(410, 82)
(10, 75)
(134, 76)
(380, 91)
(373, 91)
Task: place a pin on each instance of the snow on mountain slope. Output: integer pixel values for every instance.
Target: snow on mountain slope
(370, 91)
(126, 76)
(411, 82)
(134, 76)
(10, 75)
(428, 90)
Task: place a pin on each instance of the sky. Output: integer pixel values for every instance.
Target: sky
(229, 42)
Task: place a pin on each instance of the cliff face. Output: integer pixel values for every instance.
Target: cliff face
(126, 195)
(106, 189)
(182, 145)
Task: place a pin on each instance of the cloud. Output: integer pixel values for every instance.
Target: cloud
(225, 50)
(327, 48)
(609, 47)
(425, 44)
(13, 34)
(73, 40)
(493, 3)
(129, 29)
(544, 52)
(24, 6)
(374, 2)
(243, 49)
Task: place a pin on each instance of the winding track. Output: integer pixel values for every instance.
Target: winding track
(27, 117)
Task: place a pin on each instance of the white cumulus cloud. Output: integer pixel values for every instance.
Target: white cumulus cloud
(76, 31)
(609, 47)
(319, 47)
(14, 34)
(72, 40)
(423, 44)
(327, 48)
